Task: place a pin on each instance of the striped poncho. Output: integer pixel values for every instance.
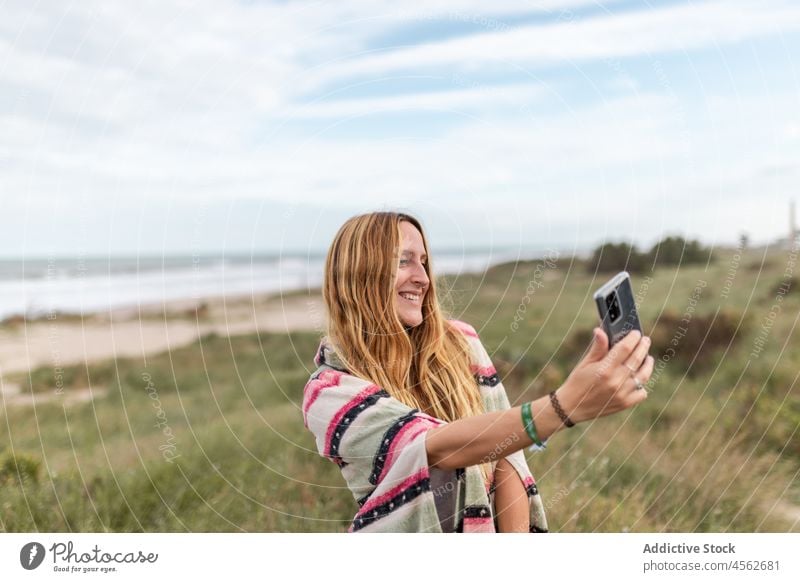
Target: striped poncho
(379, 444)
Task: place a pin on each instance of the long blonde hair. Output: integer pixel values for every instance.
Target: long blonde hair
(426, 366)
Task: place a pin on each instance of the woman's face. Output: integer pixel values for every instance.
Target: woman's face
(412, 282)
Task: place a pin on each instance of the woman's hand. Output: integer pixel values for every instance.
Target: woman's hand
(601, 384)
(603, 381)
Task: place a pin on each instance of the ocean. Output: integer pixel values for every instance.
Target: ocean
(83, 285)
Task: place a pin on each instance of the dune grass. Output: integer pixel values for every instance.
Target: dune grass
(210, 437)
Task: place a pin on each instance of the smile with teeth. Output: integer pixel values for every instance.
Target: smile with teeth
(410, 297)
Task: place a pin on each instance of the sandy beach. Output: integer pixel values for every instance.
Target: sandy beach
(141, 331)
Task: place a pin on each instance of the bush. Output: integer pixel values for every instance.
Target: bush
(615, 257)
(673, 250)
(784, 287)
(697, 342)
(20, 468)
(574, 346)
(676, 250)
(47, 378)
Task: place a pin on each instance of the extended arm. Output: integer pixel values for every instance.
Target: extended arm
(488, 437)
(600, 384)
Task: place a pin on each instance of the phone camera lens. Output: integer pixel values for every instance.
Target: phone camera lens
(612, 303)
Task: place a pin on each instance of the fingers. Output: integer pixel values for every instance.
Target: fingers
(646, 370)
(643, 376)
(607, 385)
(637, 357)
(636, 397)
(623, 349)
(599, 347)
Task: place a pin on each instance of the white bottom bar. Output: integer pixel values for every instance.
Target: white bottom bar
(401, 557)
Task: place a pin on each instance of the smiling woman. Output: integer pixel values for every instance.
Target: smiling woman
(412, 279)
(409, 406)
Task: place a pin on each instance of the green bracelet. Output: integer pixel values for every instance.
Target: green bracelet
(530, 427)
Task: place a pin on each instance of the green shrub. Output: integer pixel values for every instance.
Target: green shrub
(695, 343)
(615, 257)
(671, 251)
(22, 468)
(676, 250)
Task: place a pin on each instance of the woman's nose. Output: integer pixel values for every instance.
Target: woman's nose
(419, 275)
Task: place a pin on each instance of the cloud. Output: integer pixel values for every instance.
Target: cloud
(132, 102)
(645, 31)
(480, 97)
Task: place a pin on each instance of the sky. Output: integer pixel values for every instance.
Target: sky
(249, 127)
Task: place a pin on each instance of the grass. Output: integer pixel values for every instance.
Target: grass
(209, 437)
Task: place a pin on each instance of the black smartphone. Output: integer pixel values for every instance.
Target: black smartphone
(617, 308)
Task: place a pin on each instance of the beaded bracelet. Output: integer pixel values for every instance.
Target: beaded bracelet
(530, 427)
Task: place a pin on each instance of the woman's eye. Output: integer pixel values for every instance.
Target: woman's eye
(403, 261)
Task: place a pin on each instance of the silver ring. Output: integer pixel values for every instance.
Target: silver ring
(639, 385)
